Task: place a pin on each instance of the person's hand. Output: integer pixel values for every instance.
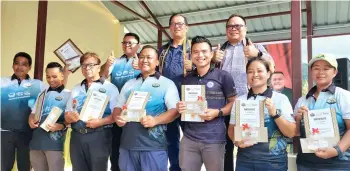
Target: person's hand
(55, 127)
(300, 113)
(218, 54)
(71, 117)
(66, 70)
(188, 65)
(250, 50)
(110, 59)
(209, 114)
(270, 107)
(181, 107)
(32, 122)
(243, 144)
(120, 121)
(135, 63)
(93, 123)
(148, 121)
(326, 153)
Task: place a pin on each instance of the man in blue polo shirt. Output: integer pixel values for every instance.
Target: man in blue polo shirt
(205, 142)
(121, 70)
(18, 94)
(90, 143)
(174, 64)
(144, 144)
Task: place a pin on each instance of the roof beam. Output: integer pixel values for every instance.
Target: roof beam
(143, 3)
(215, 10)
(247, 18)
(133, 12)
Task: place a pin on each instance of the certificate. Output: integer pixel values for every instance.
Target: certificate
(250, 121)
(194, 97)
(70, 54)
(39, 106)
(134, 109)
(94, 105)
(321, 129)
(51, 118)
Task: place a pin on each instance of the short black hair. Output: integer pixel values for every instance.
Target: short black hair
(200, 39)
(133, 35)
(24, 55)
(150, 47)
(174, 15)
(235, 15)
(55, 65)
(261, 60)
(277, 72)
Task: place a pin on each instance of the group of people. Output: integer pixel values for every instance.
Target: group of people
(237, 70)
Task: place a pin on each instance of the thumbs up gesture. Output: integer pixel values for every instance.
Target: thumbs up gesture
(110, 59)
(250, 50)
(188, 65)
(218, 54)
(135, 63)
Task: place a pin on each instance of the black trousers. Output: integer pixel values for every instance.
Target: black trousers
(15, 144)
(90, 151)
(228, 162)
(116, 134)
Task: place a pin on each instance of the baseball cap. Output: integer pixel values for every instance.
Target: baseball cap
(325, 57)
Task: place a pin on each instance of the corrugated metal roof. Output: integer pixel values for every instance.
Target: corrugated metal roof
(329, 17)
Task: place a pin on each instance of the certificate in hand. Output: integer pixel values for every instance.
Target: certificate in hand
(94, 105)
(250, 121)
(70, 54)
(51, 118)
(194, 97)
(321, 129)
(39, 106)
(134, 109)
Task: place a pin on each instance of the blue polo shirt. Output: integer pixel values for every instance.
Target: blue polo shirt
(122, 71)
(173, 67)
(275, 150)
(331, 97)
(218, 87)
(17, 98)
(52, 141)
(80, 93)
(163, 97)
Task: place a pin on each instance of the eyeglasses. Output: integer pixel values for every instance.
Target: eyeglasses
(129, 43)
(179, 24)
(235, 26)
(88, 66)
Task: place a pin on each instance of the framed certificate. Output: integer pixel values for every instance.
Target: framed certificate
(70, 54)
(250, 121)
(194, 97)
(94, 105)
(134, 109)
(321, 129)
(39, 106)
(51, 118)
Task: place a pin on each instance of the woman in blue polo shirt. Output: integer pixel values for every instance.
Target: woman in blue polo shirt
(325, 95)
(271, 156)
(46, 148)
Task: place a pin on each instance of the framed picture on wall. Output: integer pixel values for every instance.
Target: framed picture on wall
(69, 54)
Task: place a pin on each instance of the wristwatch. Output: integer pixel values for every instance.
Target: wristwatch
(278, 114)
(221, 113)
(260, 54)
(340, 153)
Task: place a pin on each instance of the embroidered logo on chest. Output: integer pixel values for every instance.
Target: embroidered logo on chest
(155, 85)
(27, 85)
(331, 100)
(58, 98)
(210, 84)
(102, 90)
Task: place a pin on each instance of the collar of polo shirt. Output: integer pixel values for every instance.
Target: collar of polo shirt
(266, 93)
(330, 88)
(156, 74)
(59, 89)
(195, 73)
(100, 80)
(14, 76)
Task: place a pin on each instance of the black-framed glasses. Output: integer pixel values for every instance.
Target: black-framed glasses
(88, 66)
(129, 43)
(235, 26)
(179, 24)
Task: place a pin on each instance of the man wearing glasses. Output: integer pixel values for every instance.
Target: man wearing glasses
(174, 63)
(90, 143)
(121, 70)
(232, 57)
